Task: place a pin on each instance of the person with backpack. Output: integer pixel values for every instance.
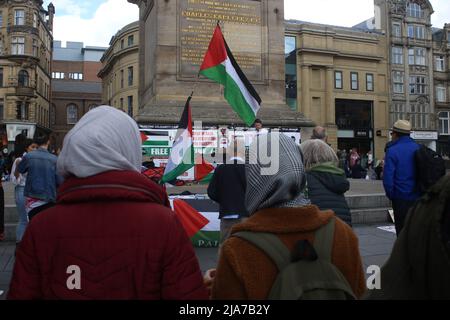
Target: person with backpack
(287, 246)
(399, 175)
(418, 268)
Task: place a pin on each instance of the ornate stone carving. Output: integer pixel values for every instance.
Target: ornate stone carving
(398, 6)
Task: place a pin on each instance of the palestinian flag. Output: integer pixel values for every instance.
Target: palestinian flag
(203, 169)
(191, 220)
(154, 138)
(182, 154)
(200, 220)
(219, 65)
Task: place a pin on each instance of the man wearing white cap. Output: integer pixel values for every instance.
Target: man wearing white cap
(399, 177)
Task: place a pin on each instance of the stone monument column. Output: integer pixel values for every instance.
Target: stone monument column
(174, 36)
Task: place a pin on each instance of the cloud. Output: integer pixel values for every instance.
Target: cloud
(109, 17)
(344, 13)
(347, 13)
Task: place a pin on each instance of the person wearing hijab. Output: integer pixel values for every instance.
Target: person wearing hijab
(277, 206)
(111, 234)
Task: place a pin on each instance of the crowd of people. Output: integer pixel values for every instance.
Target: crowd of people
(281, 234)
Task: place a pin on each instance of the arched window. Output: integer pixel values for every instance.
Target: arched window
(72, 114)
(24, 79)
(415, 10)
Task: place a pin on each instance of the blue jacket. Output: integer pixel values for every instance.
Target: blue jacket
(399, 177)
(42, 179)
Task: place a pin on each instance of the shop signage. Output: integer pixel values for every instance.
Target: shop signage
(424, 135)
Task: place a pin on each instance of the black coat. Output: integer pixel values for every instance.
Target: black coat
(227, 188)
(326, 190)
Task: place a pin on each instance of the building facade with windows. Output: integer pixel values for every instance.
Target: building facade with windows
(25, 69)
(75, 86)
(120, 67)
(441, 65)
(407, 25)
(337, 77)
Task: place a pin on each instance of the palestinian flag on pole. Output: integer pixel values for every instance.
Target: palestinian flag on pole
(219, 65)
(182, 154)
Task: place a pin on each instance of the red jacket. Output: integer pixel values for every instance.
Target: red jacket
(117, 227)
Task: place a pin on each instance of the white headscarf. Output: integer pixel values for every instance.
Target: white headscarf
(104, 139)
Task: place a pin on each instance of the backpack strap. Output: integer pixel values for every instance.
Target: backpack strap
(323, 240)
(270, 244)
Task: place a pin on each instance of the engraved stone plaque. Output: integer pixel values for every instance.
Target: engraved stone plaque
(241, 23)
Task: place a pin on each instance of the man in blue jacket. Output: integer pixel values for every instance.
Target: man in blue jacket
(42, 179)
(399, 177)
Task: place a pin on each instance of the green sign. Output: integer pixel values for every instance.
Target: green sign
(156, 151)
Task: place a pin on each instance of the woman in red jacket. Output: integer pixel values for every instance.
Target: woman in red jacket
(111, 234)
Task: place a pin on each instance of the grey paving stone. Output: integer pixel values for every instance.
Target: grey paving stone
(4, 259)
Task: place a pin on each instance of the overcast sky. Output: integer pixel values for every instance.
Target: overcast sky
(94, 22)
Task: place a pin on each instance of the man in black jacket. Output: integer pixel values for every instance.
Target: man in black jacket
(227, 188)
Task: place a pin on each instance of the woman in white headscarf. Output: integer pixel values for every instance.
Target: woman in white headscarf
(111, 227)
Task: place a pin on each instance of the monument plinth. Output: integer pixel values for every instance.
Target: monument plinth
(174, 36)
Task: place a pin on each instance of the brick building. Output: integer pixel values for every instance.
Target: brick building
(75, 86)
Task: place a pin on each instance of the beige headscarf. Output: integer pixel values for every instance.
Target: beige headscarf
(104, 139)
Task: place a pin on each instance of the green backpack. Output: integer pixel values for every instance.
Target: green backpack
(310, 279)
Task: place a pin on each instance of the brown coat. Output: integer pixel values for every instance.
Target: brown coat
(245, 272)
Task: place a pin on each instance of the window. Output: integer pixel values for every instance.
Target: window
(448, 36)
(130, 106)
(72, 114)
(338, 79)
(444, 122)
(35, 48)
(58, 75)
(418, 116)
(35, 20)
(440, 66)
(441, 93)
(396, 30)
(420, 32)
(290, 66)
(397, 55)
(18, 45)
(417, 85)
(398, 112)
(121, 78)
(410, 31)
(122, 44)
(130, 76)
(369, 82)
(354, 80)
(92, 106)
(1, 77)
(19, 17)
(1, 110)
(398, 77)
(121, 104)
(76, 76)
(53, 114)
(1, 19)
(417, 56)
(22, 110)
(23, 79)
(1, 47)
(130, 40)
(415, 10)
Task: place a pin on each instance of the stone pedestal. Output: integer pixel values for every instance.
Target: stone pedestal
(174, 36)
